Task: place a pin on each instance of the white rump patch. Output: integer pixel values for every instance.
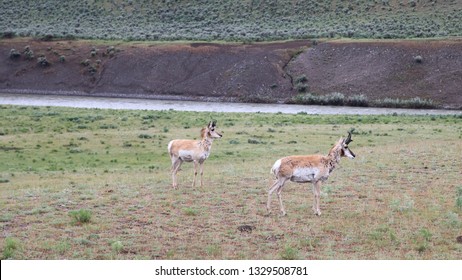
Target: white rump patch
(276, 166)
(303, 175)
(170, 146)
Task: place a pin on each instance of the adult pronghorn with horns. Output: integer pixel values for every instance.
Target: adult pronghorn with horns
(310, 168)
(196, 151)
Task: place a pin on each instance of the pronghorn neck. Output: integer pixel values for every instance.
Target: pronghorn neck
(333, 158)
(206, 143)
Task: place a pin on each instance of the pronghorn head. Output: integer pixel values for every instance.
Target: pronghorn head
(210, 131)
(345, 151)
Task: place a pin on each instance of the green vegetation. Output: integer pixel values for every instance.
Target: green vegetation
(96, 184)
(117, 247)
(11, 245)
(250, 20)
(339, 99)
(459, 198)
(289, 253)
(81, 216)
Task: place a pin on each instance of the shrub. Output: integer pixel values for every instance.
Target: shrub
(289, 253)
(42, 61)
(117, 246)
(335, 99)
(11, 245)
(85, 62)
(255, 141)
(306, 99)
(213, 250)
(92, 69)
(28, 53)
(357, 101)
(190, 211)
(144, 136)
(453, 220)
(14, 54)
(301, 79)
(47, 37)
(8, 34)
(459, 198)
(415, 103)
(402, 205)
(111, 50)
(300, 87)
(81, 216)
(93, 52)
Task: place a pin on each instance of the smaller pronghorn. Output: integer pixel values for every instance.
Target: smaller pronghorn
(311, 168)
(196, 151)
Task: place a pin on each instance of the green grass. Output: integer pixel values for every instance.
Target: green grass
(11, 245)
(229, 20)
(396, 200)
(81, 216)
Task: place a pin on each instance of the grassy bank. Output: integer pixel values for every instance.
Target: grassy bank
(95, 184)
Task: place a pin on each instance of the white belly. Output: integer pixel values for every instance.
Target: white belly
(188, 156)
(303, 175)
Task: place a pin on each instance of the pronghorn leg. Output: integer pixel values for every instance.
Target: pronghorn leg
(283, 211)
(202, 172)
(195, 173)
(277, 185)
(175, 167)
(316, 197)
(270, 192)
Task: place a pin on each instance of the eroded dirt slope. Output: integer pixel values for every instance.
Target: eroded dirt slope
(237, 72)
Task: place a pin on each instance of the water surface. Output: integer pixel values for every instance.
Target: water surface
(200, 106)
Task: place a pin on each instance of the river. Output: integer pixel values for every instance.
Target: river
(196, 106)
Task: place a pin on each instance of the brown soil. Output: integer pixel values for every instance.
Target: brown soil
(237, 72)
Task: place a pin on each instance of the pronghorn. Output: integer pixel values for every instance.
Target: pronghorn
(311, 168)
(196, 151)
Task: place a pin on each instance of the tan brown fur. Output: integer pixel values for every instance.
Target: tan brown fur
(309, 168)
(196, 151)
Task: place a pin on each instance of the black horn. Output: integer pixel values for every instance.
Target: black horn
(348, 139)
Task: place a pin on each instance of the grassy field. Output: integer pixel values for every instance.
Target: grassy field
(95, 184)
(248, 20)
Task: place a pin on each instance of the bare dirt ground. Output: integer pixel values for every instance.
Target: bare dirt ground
(260, 72)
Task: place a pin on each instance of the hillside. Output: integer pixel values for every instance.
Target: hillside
(260, 72)
(229, 20)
